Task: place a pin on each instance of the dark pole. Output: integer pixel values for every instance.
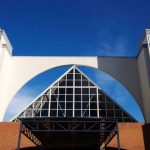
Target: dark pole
(118, 138)
(19, 136)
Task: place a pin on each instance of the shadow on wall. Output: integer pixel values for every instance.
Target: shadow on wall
(146, 135)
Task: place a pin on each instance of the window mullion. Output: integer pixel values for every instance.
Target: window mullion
(73, 91)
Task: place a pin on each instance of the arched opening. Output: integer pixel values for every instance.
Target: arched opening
(111, 86)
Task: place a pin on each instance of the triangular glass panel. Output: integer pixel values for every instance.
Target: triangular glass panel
(75, 95)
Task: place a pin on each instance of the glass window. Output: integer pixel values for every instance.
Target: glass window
(69, 98)
(93, 113)
(61, 105)
(84, 83)
(93, 105)
(69, 83)
(45, 105)
(85, 113)
(61, 98)
(69, 76)
(125, 114)
(102, 113)
(44, 113)
(102, 105)
(110, 113)
(45, 98)
(62, 83)
(37, 105)
(77, 105)
(93, 98)
(109, 105)
(101, 98)
(78, 113)
(76, 71)
(116, 107)
(53, 105)
(77, 90)
(99, 92)
(53, 98)
(61, 113)
(61, 90)
(69, 90)
(85, 105)
(85, 90)
(84, 78)
(69, 105)
(53, 113)
(118, 113)
(55, 90)
(93, 91)
(78, 76)
(77, 83)
(69, 113)
(85, 98)
(78, 98)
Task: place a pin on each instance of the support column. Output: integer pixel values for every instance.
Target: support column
(118, 138)
(19, 136)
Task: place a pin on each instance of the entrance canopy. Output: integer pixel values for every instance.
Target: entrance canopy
(73, 133)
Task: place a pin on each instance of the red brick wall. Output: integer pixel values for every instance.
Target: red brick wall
(9, 137)
(131, 137)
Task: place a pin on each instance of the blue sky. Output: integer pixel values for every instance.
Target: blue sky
(76, 27)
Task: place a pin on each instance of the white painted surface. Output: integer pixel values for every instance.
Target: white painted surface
(5, 71)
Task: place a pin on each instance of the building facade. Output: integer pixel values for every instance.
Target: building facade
(132, 72)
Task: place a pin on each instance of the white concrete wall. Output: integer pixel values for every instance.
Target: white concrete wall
(5, 72)
(145, 90)
(143, 61)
